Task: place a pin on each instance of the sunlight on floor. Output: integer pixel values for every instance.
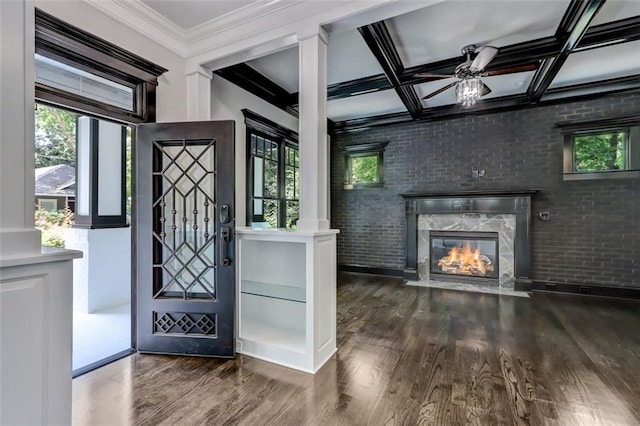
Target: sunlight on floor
(101, 334)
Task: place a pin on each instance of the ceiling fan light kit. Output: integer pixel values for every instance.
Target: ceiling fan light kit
(469, 87)
(468, 91)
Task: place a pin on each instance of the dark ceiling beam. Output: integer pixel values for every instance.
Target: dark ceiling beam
(612, 85)
(255, 83)
(622, 31)
(381, 45)
(359, 86)
(572, 28)
(591, 90)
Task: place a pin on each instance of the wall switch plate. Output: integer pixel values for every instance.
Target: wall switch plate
(544, 215)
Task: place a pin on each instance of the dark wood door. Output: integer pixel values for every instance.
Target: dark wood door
(184, 238)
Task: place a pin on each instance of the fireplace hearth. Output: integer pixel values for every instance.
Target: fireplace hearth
(482, 237)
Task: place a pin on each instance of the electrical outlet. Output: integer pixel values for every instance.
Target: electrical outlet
(585, 290)
(544, 215)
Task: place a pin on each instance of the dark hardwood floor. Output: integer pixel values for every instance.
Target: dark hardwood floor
(406, 355)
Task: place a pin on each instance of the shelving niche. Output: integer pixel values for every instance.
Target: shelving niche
(287, 296)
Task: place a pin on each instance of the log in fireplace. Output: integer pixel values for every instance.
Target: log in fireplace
(464, 256)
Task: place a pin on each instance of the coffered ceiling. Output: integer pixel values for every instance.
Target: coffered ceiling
(572, 47)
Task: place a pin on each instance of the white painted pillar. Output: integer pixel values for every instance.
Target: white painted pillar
(313, 131)
(199, 95)
(17, 178)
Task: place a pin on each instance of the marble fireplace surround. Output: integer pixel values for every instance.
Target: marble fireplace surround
(505, 212)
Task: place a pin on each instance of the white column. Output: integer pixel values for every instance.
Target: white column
(17, 179)
(199, 95)
(313, 131)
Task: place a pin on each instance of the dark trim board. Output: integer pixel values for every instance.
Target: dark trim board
(387, 272)
(583, 289)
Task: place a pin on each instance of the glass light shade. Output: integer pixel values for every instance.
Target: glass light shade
(468, 91)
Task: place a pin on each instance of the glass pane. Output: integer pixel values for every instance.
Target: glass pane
(183, 232)
(293, 214)
(271, 179)
(257, 207)
(258, 172)
(600, 152)
(253, 144)
(468, 257)
(271, 213)
(73, 80)
(290, 183)
(364, 169)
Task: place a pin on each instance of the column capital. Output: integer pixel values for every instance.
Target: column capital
(307, 33)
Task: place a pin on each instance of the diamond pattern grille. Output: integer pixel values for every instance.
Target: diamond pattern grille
(184, 323)
(183, 227)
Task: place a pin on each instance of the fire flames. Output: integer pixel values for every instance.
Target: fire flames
(465, 261)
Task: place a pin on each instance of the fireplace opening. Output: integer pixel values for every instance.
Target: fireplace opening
(466, 256)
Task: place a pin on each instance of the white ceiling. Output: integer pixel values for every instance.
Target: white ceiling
(190, 13)
(614, 10)
(378, 103)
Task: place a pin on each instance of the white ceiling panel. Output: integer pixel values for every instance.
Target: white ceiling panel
(383, 102)
(349, 57)
(614, 10)
(280, 67)
(189, 13)
(500, 85)
(600, 64)
(439, 32)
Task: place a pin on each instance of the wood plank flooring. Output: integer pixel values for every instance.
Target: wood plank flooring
(406, 356)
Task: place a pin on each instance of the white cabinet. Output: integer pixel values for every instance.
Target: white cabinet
(287, 296)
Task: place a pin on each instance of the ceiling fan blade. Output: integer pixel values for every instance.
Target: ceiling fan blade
(427, 75)
(440, 90)
(486, 55)
(485, 89)
(512, 70)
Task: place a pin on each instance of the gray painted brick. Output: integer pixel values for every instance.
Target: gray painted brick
(594, 233)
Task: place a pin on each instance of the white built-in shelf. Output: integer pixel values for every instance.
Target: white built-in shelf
(276, 291)
(293, 340)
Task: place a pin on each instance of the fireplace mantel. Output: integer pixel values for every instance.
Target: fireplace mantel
(516, 202)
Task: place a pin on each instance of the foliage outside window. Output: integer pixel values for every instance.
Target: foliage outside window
(364, 165)
(607, 152)
(273, 174)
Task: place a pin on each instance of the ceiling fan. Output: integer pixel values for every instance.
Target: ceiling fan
(469, 87)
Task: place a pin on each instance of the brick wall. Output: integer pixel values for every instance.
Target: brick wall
(594, 232)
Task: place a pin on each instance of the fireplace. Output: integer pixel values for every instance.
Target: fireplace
(464, 256)
(497, 223)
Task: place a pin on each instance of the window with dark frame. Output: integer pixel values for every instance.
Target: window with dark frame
(364, 166)
(608, 148)
(77, 70)
(273, 174)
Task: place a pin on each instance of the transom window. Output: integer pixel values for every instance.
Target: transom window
(273, 174)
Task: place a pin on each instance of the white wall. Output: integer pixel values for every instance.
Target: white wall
(171, 102)
(227, 101)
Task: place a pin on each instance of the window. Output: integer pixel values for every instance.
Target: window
(364, 165)
(273, 174)
(600, 150)
(50, 205)
(80, 71)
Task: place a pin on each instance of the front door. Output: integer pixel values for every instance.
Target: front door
(184, 238)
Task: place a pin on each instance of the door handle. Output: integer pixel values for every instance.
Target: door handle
(225, 239)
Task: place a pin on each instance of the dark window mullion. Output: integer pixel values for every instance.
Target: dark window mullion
(282, 195)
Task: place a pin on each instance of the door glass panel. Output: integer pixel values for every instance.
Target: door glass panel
(183, 219)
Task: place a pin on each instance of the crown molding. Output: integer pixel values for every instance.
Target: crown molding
(201, 38)
(141, 18)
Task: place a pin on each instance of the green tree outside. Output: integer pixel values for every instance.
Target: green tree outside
(364, 169)
(600, 152)
(55, 136)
